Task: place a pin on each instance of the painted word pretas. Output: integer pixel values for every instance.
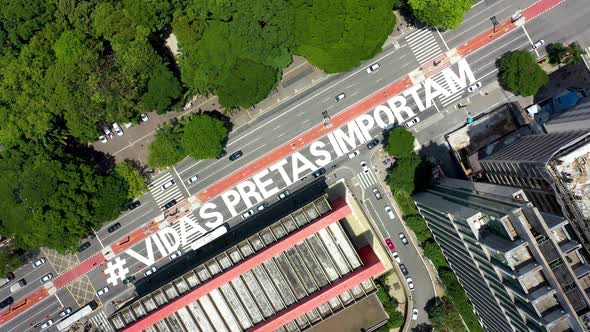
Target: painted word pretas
(339, 142)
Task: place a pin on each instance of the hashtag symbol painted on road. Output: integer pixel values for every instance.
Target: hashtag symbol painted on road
(116, 271)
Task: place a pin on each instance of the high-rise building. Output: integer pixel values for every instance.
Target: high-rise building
(577, 118)
(522, 269)
(553, 170)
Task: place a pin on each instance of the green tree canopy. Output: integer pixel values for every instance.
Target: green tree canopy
(401, 175)
(203, 136)
(400, 143)
(434, 253)
(166, 149)
(521, 74)
(417, 224)
(9, 260)
(561, 54)
(248, 83)
(443, 316)
(133, 178)
(443, 14)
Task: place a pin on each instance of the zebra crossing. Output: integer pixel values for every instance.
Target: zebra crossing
(423, 45)
(163, 196)
(367, 180)
(188, 229)
(99, 321)
(444, 100)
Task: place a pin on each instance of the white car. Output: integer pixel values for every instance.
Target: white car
(353, 154)
(167, 184)
(150, 271)
(538, 44)
(474, 87)
(117, 129)
(103, 291)
(107, 132)
(247, 214)
(284, 194)
(389, 212)
(39, 262)
(377, 193)
(46, 277)
(102, 139)
(414, 314)
(396, 257)
(47, 324)
(193, 179)
(412, 122)
(410, 283)
(340, 97)
(128, 125)
(65, 312)
(364, 166)
(372, 68)
(175, 255)
(144, 117)
(403, 238)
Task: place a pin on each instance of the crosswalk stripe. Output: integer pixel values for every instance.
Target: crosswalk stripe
(163, 196)
(100, 322)
(444, 100)
(367, 180)
(423, 45)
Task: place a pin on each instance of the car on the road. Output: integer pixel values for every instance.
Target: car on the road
(65, 312)
(18, 285)
(6, 302)
(46, 277)
(114, 227)
(403, 268)
(284, 194)
(128, 280)
(84, 246)
(372, 144)
(221, 154)
(403, 238)
(372, 68)
(474, 87)
(396, 257)
(353, 154)
(102, 139)
(377, 193)
(236, 155)
(538, 44)
(415, 314)
(117, 129)
(247, 214)
(389, 212)
(193, 179)
(39, 262)
(47, 324)
(262, 206)
(150, 271)
(319, 172)
(364, 166)
(175, 255)
(107, 132)
(133, 204)
(167, 184)
(410, 283)
(340, 97)
(144, 117)
(412, 122)
(169, 204)
(389, 244)
(102, 291)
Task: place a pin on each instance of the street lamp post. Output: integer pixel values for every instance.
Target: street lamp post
(494, 22)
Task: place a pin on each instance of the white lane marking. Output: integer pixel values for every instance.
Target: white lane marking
(191, 166)
(275, 128)
(380, 220)
(354, 93)
(443, 40)
(181, 181)
(530, 40)
(58, 299)
(37, 312)
(228, 165)
(477, 14)
(130, 223)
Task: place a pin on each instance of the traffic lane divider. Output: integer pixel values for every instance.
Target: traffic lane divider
(21, 306)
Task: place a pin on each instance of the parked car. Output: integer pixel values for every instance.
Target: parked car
(65, 312)
(364, 166)
(175, 255)
(47, 324)
(262, 206)
(129, 280)
(377, 193)
(389, 244)
(284, 194)
(193, 179)
(410, 283)
(144, 117)
(403, 238)
(102, 139)
(114, 227)
(221, 154)
(169, 204)
(474, 87)
(103, 291)
(167, 184)
(117, 129)
(538, 44)
(38, 262)
(340, 97)
(414, 314)
(234, 156)
(128, 125)
(107, 132)
(6, 302)
(389, 212)
(372, 144)
(247, 214)
(150, 271)
(133, 204)
(412, 122)
(396, 257)
(372, 68)
(319, 172)
(46, 277)
(84, 246)
(403, 268)
(353, 154)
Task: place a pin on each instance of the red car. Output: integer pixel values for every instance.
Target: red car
(390, 244)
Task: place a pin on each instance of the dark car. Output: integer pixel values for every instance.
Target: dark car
(169, 204)
(221, 154)
(129, 280)
(372, 143)
(319, 172)
(84, 246)
(404, 269)
(10, 276)
(235, 155)
(7, 301)
(133, 204)
(114, 227)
